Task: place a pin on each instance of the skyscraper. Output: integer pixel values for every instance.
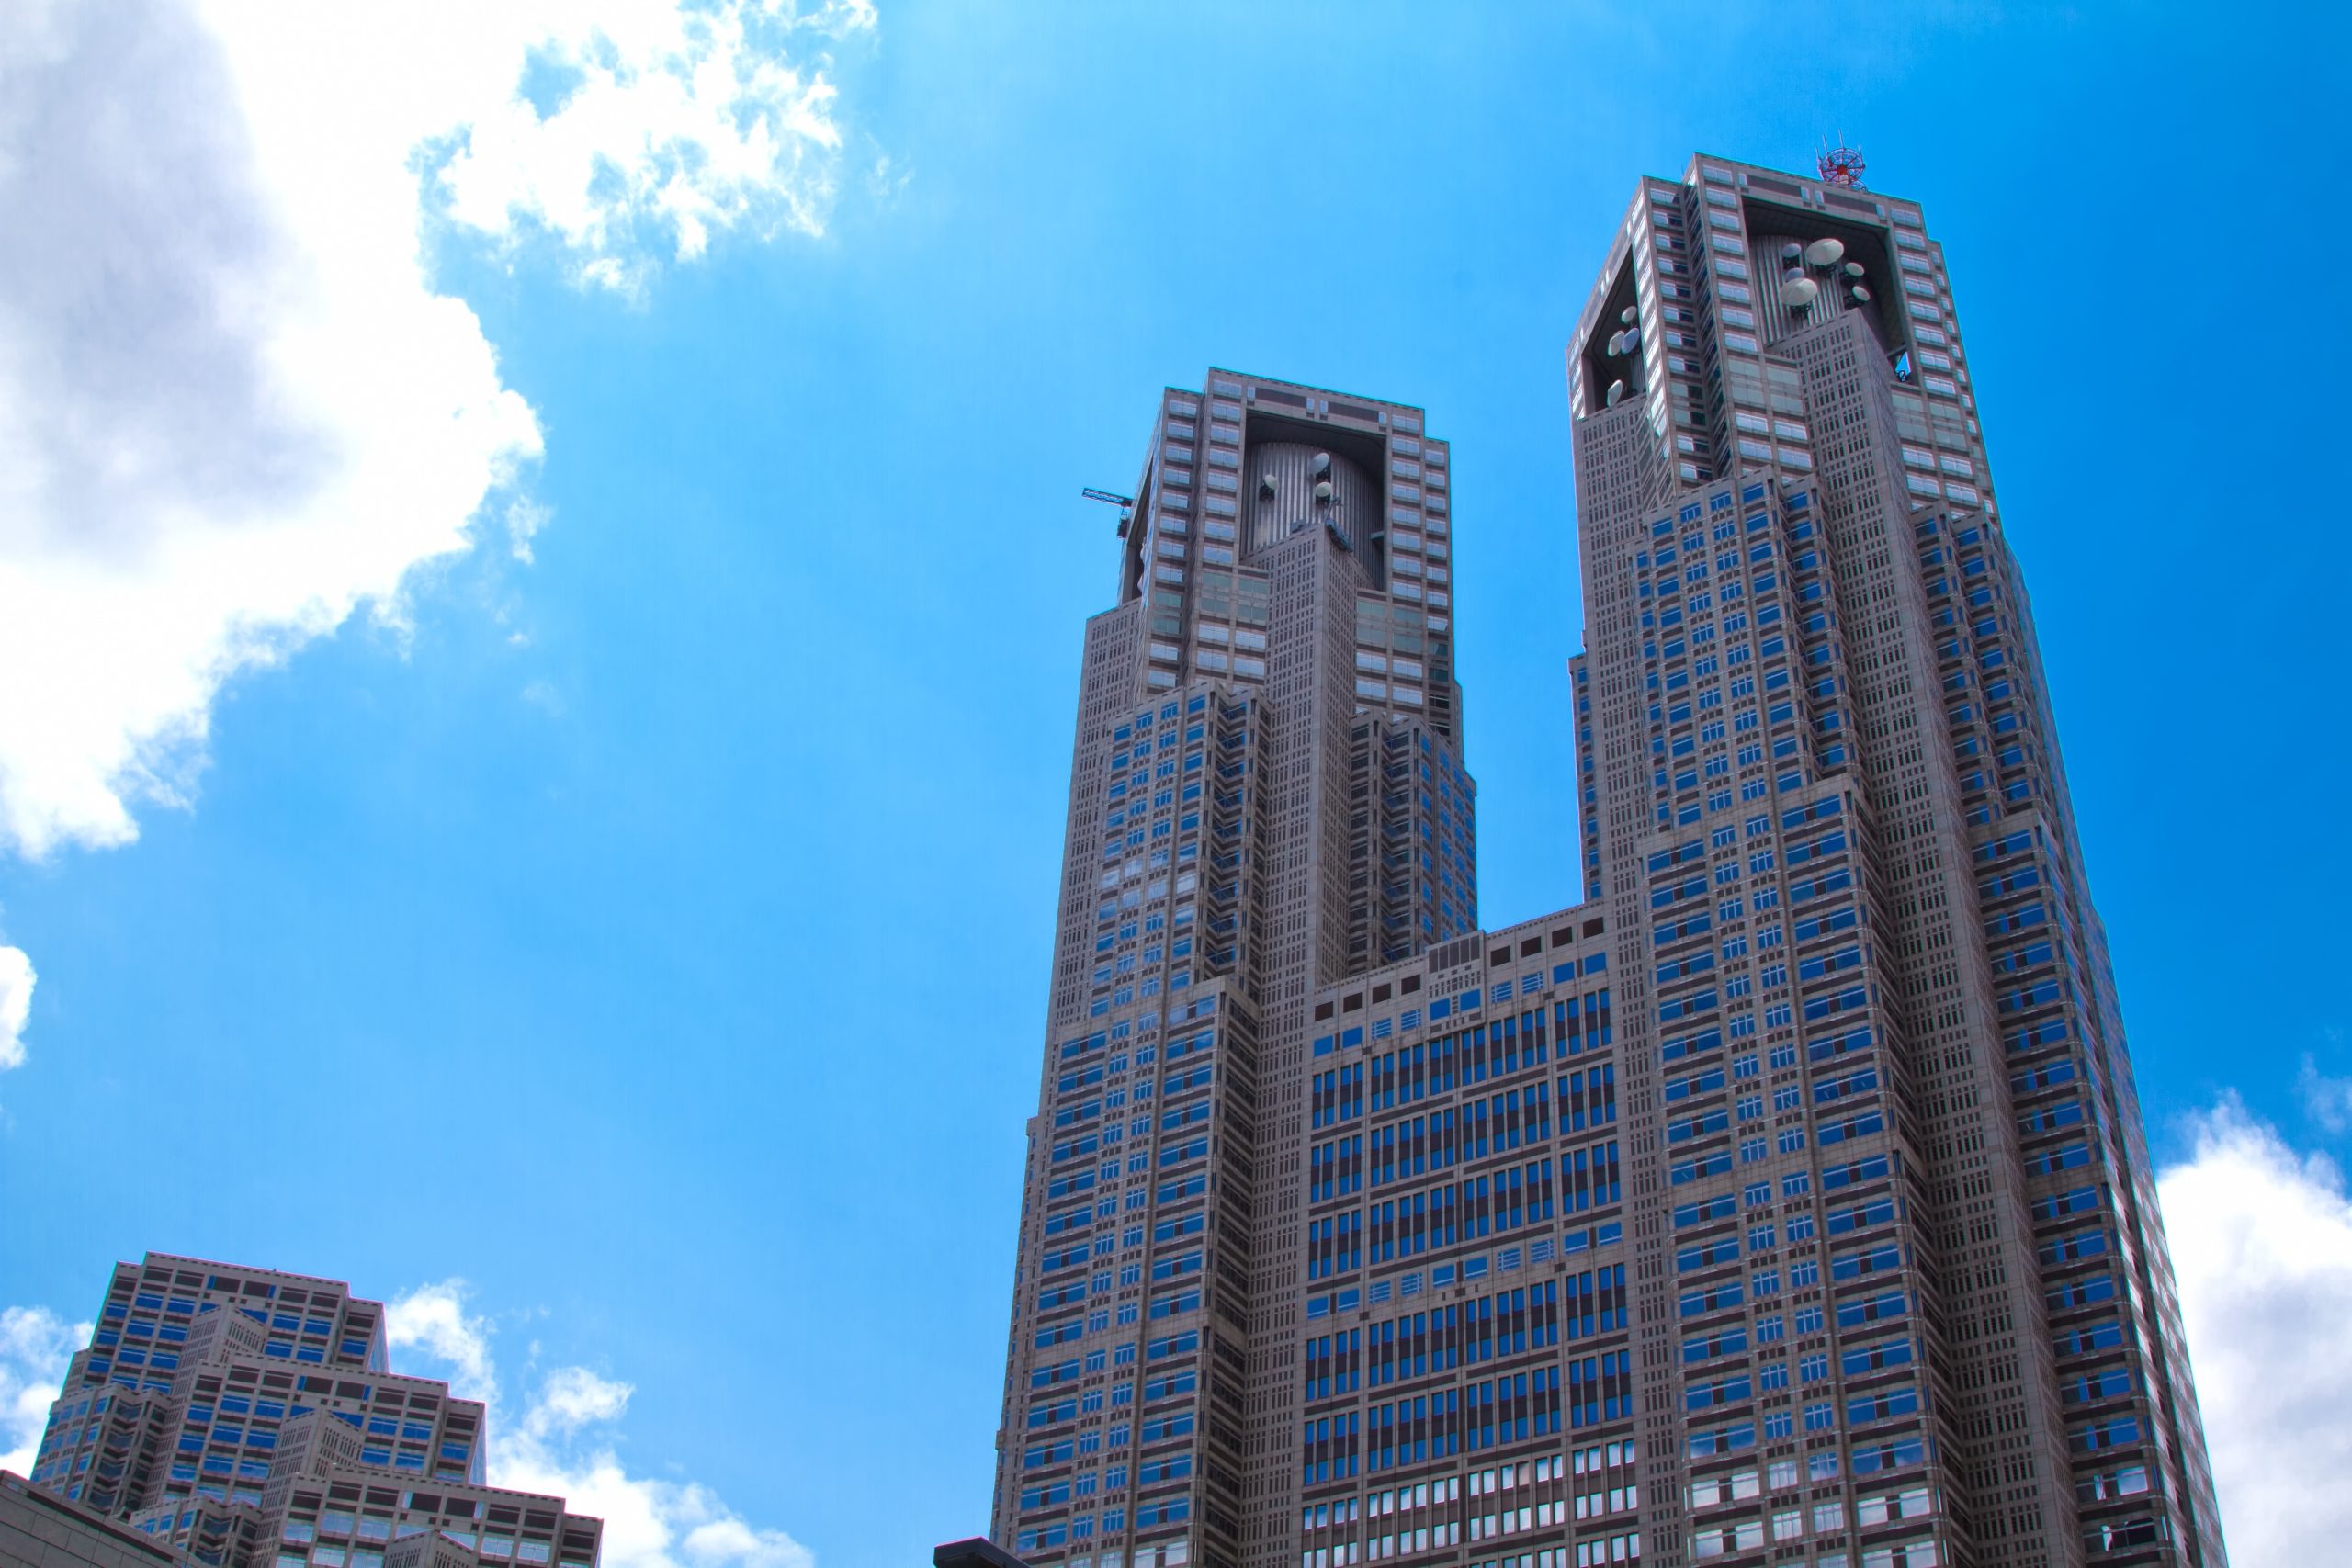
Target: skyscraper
(1784, 1202)
(1266, 794)
(245, 1416)
(1807, 632)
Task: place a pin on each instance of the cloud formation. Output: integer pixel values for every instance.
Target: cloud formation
(564, 1442)
(652, 122)
(35, 1345)
(432, 1319)
(16, 979)
(235, 409)
(2326, 1099)
(2261, 1238)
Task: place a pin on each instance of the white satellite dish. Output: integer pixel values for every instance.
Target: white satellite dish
(1825, 252)
(1322, 462)
(1853, 269)
(1626, 315)
(1799, 292)
(1323, 490)
(1616, 390)
(1861, 295)
(1791, 251)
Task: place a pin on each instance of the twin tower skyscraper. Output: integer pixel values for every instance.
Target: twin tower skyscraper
(1783, 1201)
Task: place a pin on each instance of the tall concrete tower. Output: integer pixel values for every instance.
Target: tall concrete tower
(1786, 1201)
(1266, 794)
(1893, 1085)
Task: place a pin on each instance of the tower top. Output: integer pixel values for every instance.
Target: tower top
(1842, 164)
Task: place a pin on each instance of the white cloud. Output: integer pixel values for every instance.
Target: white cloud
(524, 518)
(432, 1319)
(233, 408)
(572, 1397)
(16, 979)
(652, 121)
(35, 1345)
(2326, 1099)
(563, 1443)
(2261, 1238)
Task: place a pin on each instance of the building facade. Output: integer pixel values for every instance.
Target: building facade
(1830, 819)
(1786, 1200)
(247, 1418)
(1266, 795)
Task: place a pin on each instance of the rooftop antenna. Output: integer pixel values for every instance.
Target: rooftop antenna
(1126, 504)
(1842, 164)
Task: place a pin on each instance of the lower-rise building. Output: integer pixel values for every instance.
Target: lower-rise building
(238, 1418)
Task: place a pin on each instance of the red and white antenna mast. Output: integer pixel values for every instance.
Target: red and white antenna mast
(1842, 164)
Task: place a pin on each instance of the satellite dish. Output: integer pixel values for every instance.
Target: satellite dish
(1322, 462)
(1631, 338)
(1616, 390)
(1323, 490)
(1853, 269)
(1266, 484)
(1825, 252)
(1799, 292)
(1861, 295)
(1626, 315)
(1791, 251)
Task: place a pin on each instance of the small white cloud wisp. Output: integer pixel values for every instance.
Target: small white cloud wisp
(16, 979)
(2327, 1100)
(35, 1345)
(2261, 1240)
(563, 1440)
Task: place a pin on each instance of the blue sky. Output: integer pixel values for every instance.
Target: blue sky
(653, 933)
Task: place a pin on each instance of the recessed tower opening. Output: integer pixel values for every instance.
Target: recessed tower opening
(1612, 362)
(1295, 487)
